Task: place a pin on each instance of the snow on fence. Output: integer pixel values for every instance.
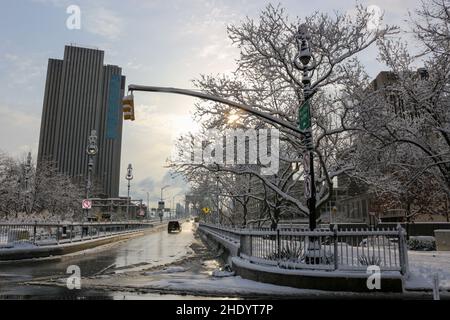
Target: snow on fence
(321, 249)
(41, 234)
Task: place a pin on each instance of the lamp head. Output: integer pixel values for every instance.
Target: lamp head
(302, 38)
(305, 54)
(92, 150)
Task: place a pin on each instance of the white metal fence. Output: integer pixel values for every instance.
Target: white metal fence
(41, 234)
(321, 249)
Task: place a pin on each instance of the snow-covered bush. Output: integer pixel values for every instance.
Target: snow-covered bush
(422, 243)
(16, 235)
(328, 258)
(369, 261)
(291, 252)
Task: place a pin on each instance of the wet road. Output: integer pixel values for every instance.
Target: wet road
(153, 249)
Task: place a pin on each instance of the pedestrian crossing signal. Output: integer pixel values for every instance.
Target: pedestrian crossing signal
(128, 107)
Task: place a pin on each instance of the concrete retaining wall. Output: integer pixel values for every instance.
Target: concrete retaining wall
(58, 250)
(318, 280)
(442, 240)
(304, 279)
(67, 248)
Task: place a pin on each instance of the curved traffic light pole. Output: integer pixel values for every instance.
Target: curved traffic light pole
(205, 96)
(297, 131)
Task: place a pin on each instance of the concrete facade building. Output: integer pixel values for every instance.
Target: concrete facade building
(83, 94)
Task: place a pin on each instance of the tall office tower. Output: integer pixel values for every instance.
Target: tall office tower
(82, 94)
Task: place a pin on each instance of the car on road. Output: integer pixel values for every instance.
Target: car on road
(173, 226)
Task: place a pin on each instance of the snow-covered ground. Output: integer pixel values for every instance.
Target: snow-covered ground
(424, 264)
(227, 286)
(198, 272)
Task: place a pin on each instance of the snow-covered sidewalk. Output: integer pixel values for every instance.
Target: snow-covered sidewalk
(424, 264)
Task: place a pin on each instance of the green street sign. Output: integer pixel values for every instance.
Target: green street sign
(304, 119)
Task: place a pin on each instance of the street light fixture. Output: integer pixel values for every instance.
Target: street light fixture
(129, 177)
(313, 254)
(305, 56)
(91, 151)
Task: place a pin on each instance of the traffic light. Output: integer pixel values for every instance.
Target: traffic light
(128, 107)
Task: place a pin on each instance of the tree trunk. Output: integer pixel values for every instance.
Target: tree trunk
(276, 218)
(244, 218)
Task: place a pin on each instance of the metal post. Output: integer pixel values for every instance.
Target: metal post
(57, 233)
(129, 177)
(161, 213)
(301, 62)
(304, 56)
(34, 233)
(436, 294)
(278, 244)
(335, 253)
(402, 250)
(91, 151)
(128, 200)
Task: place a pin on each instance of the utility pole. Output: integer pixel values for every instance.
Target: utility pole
(91, 151)
(129, 177)
(304, 57)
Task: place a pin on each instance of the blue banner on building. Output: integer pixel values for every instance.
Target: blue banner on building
(112, 125)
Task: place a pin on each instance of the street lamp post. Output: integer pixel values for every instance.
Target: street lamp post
(161, 203)
(129, 177)
(301, 62)
(91, 151)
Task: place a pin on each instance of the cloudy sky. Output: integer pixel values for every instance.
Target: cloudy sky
(156, 42)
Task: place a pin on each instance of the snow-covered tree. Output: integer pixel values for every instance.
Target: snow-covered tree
(266, 79)
(46, 189)
(403, 144)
